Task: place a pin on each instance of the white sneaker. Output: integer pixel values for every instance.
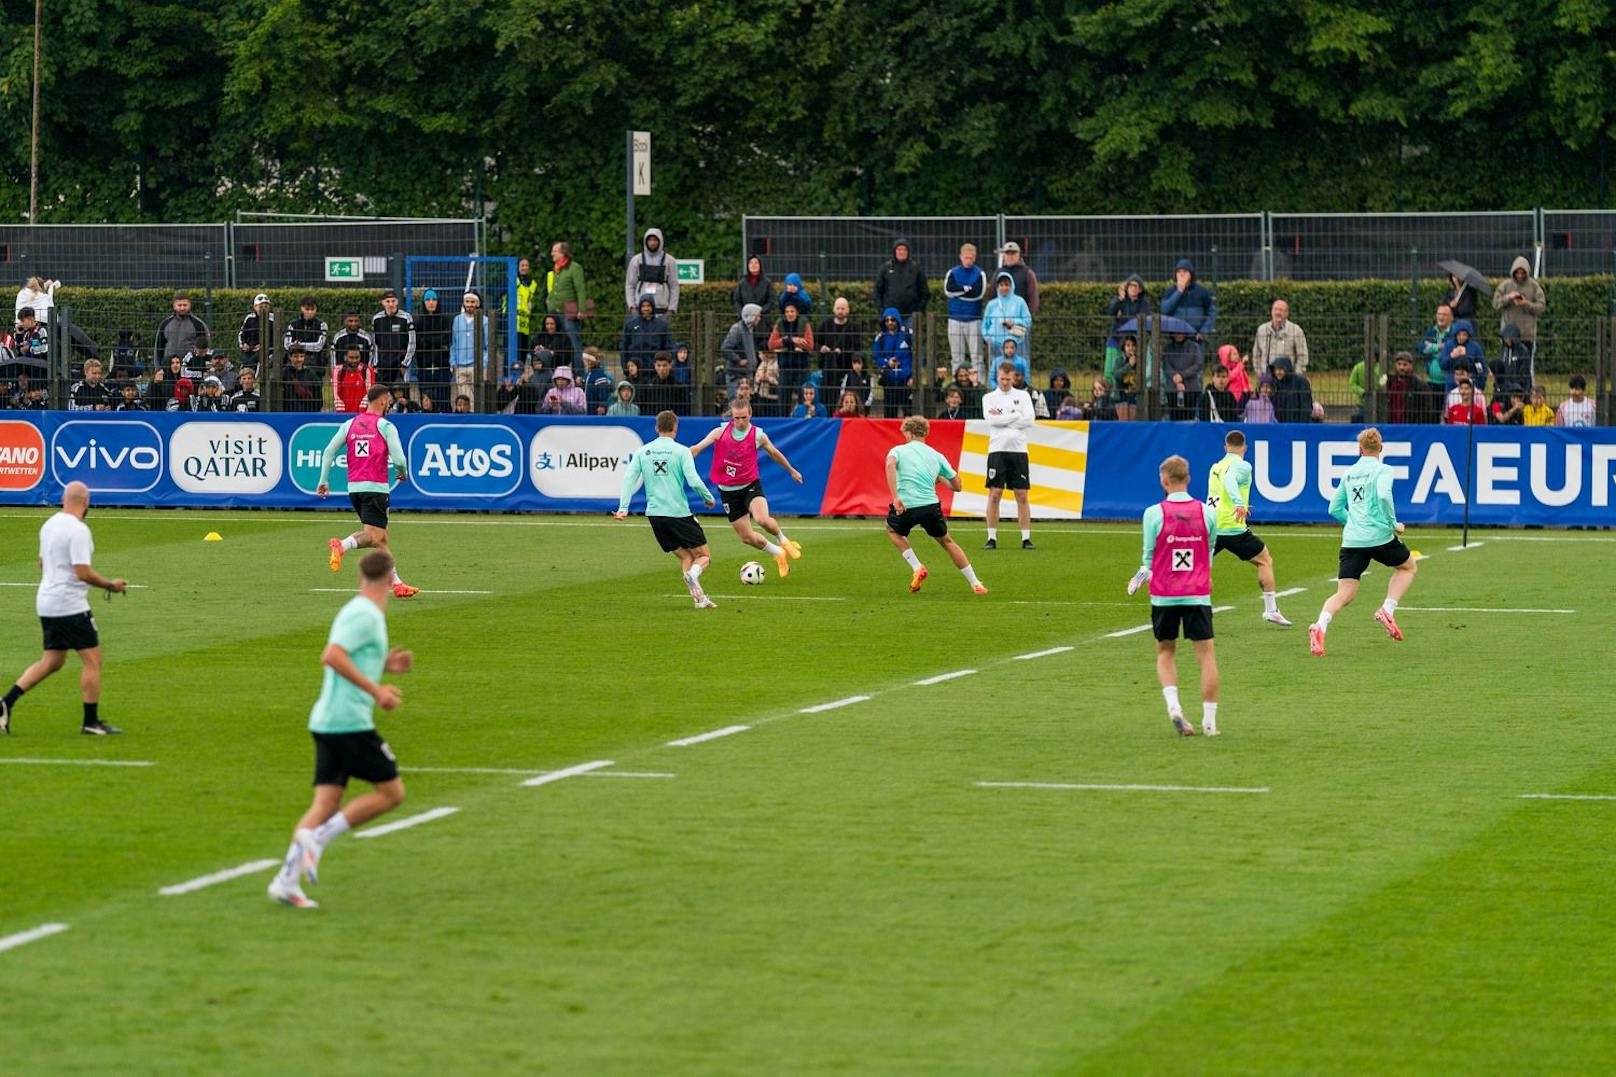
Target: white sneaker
(290, 894)
(1182, 725)
(308, 861)
(1209, 728)
(1274, 617)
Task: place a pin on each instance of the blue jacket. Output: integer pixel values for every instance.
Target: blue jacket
(1000, 309)
(898, 345)
(1194, 304)
(967, 291)
(804, 298)
(463, 343)
(644, 337)
(1474, 359)
(681, 369)
(598, 388)
(1433, 346)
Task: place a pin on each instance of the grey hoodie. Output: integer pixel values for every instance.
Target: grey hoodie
(739, 350)
(1522, 316)
(656, 273)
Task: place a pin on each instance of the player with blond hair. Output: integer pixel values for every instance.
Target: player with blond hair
(913, 471)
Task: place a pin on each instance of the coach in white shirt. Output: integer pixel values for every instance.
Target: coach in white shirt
(1009, 411)
(63, 605)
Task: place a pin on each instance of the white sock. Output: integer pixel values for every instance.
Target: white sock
(1270, 604)
(396, 578)
(1390, 605)
(993, 533)
(771, 549)
(1209, 714)
(1170, 694)
(337, 824)
(350, 543)
(1325, 617)
(913, 559)
(695, 570)
(970, 576)
(689, 582)
(1026, 534)
(780, 533)
(288, 872)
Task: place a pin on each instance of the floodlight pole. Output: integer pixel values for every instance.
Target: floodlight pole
(628, 187)
(33, 139)
(1470, 468)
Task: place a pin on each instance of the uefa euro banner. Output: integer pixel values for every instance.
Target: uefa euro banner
(505, 463)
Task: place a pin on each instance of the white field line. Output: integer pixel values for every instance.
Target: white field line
(1039, 654)
(80, 762)
(25, 583)
(771, 598)
(1146, 628)
(1123, 788)
(405, 824)
(1289, 591)
(628, 774)
(941, 677)
(1478, 609)
(252, 867)
(1565, 796)
(567, 772)
(424, 591)
(848, 702)
(23, 938)
(1462, 549)
(702, 738)
(532, 771)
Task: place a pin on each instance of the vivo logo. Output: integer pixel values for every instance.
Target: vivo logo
(108, 455)
(96, 455)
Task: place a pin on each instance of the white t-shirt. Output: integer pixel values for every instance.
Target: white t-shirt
(41, 302)
(64, 541)
(1576, 413)
(1009, 427)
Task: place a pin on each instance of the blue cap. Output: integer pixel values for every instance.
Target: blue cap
(429, 294)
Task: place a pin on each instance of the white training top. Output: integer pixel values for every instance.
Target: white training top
(64, 541)
(1015, 417)
(40, 301)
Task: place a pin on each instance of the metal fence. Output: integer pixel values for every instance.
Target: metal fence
(855, 248)
(1111, 248)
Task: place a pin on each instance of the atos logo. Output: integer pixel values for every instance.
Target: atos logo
(465, 460)
(124, 456)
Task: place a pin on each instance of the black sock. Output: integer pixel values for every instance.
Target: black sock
(90, 715)
(13, 695)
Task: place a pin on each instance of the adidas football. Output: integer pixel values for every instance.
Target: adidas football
(752, 573)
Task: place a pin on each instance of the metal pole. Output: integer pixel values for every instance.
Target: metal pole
(1413, 289)
(628, 189)
(33, 153)
(1470, 467)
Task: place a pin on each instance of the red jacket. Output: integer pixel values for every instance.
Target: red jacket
(349, 386)
(1456, 415)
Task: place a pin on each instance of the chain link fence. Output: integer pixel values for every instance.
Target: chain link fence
(1111, 248)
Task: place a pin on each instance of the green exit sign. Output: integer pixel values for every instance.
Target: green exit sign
(692, 271)
(344, 269)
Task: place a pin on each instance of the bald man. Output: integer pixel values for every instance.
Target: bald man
(63, 605)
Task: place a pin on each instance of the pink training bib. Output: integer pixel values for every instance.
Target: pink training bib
(735, 463)
(367, 449)
(1182, 565)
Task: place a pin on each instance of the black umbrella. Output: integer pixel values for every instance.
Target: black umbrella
(1467, 274)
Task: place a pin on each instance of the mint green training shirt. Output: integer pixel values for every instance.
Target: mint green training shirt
(360, 629)
(1152, 522)
(668, 471)
(395, 457)
(1363, 502)
(919, 468)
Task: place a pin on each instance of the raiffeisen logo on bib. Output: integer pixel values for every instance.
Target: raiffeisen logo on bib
(107, 455)
(228, 457)
(465, 460)
(306, 450)
(581, 461)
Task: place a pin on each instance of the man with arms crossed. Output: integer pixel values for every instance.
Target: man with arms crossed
(1009, 411)
(913, 471)
(372, 442)
(668, 470)
(1228, 493)
(346, 744)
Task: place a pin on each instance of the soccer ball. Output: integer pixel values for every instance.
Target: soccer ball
(752, 573)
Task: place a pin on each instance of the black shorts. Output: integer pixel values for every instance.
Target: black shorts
(75, 632)
(340, 756)
(738, 503)
(1196, 621)
(677, 533)
(372, 509)
(1008, 471)
(1244, 545)
(1354, 559)
(929, 518)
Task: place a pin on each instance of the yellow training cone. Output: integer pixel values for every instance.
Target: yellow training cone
(213, 536)
(1415, 553)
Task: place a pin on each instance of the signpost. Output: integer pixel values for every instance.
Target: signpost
(344, 270)
(638, 162)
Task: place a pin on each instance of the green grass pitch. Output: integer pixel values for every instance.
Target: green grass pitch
(827, 891)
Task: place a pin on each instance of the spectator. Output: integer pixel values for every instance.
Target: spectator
(521, 395)
(564, 398)
(632, 371)
(953, 404)
(1060, 387)
(1293, 393)
(1356, 388)
(569, 295)
(434, 329)
(1578, 409)
(1464, 354)
(1461, 377)
(1230, 359)
(595, 381)
(1069, 410)
(1182, 363)
(743, 391)
(160, 389)
(552, 344)
(652, 272)
(645, 332)
(1438, 341)
(220, 366)
(352, 336)
(256, 328)
(400, 404)
(681, 362)
(623, 407)
(38, 295)
(662, 391)
(308, 330)
(1467, 410)
(184, 394)
(1260, 406)
(792, 343)
(425, 405)
(527, 306)
(1007, 316)
(1010, 353)
(1132, 301)
(393, 331)
(1218, 404)
(965, 380)
(178, 330)
(1461, 299)
(766, 384)
(839, 339)
(1101, 406)
(198, 359)
(901, 284)
(1279, 336)
(247, 397)
(796, 291)
(467, 359)
(1538, 412)
(809, 407)
(1040, 406)
(966, 288)
(754, 287)
(129, 398)
(892, 354)
(1406, 393)
(739, 349)
(1189, 300)
(91, 394)
(462, 404)
(351, 380)
(31, 340)
(212, 397)
(857, 381)
(1026, 281)
(1520, 297)
(1512, 370)
(300, 385)
(851, 406)
(126, 356)
(1124, 377)
(1512, 413)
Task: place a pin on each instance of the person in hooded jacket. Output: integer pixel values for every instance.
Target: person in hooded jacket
(901, 284)
(652, 272)
(892, 354)
(1006, 316)
(434, 327)
(1461, 298)
(552, 342)
(645, 333)
(623, 405)
(596, 383)
(1293, 393)
(1131, 301)
(564, 398)
(1520, 300)
(1060, 387)
(1189, 299)
(792, 343)
(1512, 370)
(1466, 351)
(739, 349)
(795, 291)
(681, 362)
(966, 288)
(754, 286)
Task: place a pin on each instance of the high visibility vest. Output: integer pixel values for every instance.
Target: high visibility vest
(525, 295)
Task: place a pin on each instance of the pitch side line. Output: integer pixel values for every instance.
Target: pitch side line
(1146, 628)
(1040, 654)
(1565, 796)
(1288, 592)
(424, 591)
(1130, 788)
(1462, 549)
(252, 867)
(23, 938)
(80, 762)
(405, 824)
(567, 772)
(702, 738)
(941, 677)
(848, 702)
(24, 583)
(772, 598)
(1480, 609)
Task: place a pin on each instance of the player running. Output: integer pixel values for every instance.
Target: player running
(346, 744)
(735, 473)
(1178, 564)
(669, 470)
(1363, 503)
(63, 605)
(913, 471)
(372, 442)
(1228, 493)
